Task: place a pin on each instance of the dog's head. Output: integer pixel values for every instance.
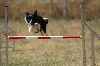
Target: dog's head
(30, 16)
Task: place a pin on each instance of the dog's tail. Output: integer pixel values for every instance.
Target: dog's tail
(46, 20)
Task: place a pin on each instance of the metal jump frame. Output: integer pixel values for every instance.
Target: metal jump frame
(92, 35)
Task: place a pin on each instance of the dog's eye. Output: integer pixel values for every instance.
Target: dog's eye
(28, 20)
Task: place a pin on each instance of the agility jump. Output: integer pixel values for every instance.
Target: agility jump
(41, 37)
(93, 34)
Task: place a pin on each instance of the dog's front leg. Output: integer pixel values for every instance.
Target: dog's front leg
(30, 28)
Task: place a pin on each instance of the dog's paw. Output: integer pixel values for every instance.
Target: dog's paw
(36, 32)
(46, 34)
(30, 31)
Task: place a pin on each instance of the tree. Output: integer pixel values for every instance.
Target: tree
(65, 8)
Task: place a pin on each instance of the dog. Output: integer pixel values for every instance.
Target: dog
(40, 23)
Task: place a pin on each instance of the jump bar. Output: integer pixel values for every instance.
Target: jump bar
(41, 37)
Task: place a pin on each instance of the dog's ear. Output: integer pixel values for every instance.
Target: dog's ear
(36, 10)
(35, 13)
(27, 13)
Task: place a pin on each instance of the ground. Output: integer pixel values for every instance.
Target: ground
(52, 52)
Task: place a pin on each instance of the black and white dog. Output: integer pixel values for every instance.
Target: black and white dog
(39, 22)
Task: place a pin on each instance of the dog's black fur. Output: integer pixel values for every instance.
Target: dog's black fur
(32, 19)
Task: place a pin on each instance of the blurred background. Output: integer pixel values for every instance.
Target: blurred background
(69, 9)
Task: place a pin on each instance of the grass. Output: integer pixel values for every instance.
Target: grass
(54, 52)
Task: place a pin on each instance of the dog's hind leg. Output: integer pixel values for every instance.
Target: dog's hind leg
(46, 34)
(44, 30)
(41, 31)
